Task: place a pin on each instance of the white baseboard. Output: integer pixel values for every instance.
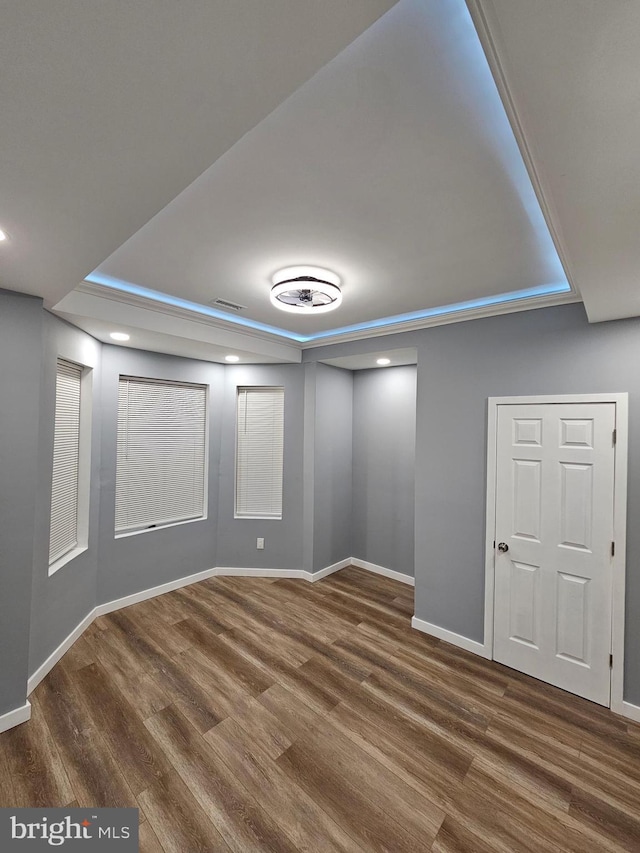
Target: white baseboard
(218, 571)
(152, 592)
(101, 610)
(15, 717)
(627, 709)
(450, 637)
(46, 667)
(380, 570)
(22, 714)
(329, 570)
(234, 572)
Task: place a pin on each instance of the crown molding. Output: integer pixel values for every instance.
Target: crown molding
(142, 303)
(485, 20)
(447, 319)
(101, 291)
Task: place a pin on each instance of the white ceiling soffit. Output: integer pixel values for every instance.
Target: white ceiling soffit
(173, 331)
(369, 360)
(395, 166)
(110, 109)
(571, 69)
(211, 347)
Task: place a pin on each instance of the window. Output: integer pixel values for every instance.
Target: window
(161, 453)
(66, 462)
(259, 452)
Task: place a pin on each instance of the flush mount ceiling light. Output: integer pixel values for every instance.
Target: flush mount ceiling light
(306, 290)
(383, 361)
(3, 235)
(232, 358)
(119, 336)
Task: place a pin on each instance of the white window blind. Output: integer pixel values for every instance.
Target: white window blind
(259, 452)
(161, 454)
(66, 459)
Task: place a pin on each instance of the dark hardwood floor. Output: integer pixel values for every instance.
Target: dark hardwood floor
(276, 715)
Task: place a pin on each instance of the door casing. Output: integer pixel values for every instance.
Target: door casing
(618, 564)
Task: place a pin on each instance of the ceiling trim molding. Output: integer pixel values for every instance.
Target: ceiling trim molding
(486, 23)
(447, 319)
(104, 292)
(81, 307)
(453, 316)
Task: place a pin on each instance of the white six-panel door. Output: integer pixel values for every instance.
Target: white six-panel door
(554, 515)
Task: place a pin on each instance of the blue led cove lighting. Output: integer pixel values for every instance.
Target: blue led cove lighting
(455, 308)
(452, 19)
(195, 307)
(482, 99)
(382, 322)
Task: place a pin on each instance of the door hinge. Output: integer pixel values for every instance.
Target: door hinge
(613, 549)
(494, 543)
(615, 435)
(611, 661)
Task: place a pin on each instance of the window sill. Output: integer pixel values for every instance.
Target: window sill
(257, 518)
(66, 558)
(126, 533)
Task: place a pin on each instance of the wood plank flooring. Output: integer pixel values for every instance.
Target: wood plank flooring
(244, 714)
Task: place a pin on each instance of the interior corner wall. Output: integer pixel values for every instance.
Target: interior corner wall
(62, 600)
(332, 466)
(308, 464)
(283, 538)
(384, 442)
(135, 562)
(21, 357)
(542, 352)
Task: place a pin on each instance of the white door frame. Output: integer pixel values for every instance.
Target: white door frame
(619, 526)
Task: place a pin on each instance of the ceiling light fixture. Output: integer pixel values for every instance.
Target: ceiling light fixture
(306, 290)
(3, 235)
(232, 358)
(383, 361)
(119, 336)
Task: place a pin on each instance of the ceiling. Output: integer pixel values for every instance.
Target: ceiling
(570, 70)
(109, 110)
(443, 164)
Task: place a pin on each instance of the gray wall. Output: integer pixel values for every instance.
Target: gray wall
(550, 351)
(282, 538)
(333, 466)
(20, 357)
(546, 351)
(143, 560)
(61, 601)
(384, 432)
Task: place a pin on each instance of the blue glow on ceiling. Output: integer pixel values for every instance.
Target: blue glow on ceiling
(482, 99)
(464, 57)
(456, 308)
(195, 307)
(382, 322)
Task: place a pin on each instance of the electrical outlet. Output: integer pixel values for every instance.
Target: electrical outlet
(260, 543)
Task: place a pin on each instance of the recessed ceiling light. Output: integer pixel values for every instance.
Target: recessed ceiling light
(383, 361)
(119, 336)
(232, 358)
(306, 290)
(3, 235)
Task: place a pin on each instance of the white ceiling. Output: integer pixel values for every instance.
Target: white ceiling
(572, 70)
(369, 360)
(110, 109)
(195, 151)
(395, 166)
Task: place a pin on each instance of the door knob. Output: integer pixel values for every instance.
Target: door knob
(503, 547)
